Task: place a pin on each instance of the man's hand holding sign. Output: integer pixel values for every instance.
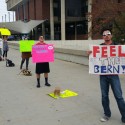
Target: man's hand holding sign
(107, 59)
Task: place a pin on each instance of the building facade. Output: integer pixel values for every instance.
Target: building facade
(64, 19)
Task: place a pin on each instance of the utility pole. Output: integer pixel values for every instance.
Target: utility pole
(24, 9)
(5, 17)
(9, 16)
(2, 18)
(13, 16)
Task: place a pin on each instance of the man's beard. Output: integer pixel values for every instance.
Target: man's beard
(107, 40)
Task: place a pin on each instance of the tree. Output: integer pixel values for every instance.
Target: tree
(108, 14)
(119, 28)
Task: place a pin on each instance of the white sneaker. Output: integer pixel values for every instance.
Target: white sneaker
(104, 118)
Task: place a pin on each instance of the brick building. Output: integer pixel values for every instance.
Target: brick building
(63, 19)
(68, 14)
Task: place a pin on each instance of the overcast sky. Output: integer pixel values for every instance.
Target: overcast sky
(4, 14)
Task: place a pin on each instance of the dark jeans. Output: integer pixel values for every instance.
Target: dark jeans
(5, 53)
(27, 63)
(105, 82)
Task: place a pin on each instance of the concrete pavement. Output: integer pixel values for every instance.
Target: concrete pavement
(21, 103)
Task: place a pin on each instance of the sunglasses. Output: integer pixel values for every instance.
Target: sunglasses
(107, 34)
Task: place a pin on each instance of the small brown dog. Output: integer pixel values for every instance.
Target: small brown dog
(57, 91)
(26, 72)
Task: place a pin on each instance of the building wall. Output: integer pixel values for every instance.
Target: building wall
(16, 13)
(42, 9)
(79, 37)
(32, 10)
(27, 11)
(21, 14)
(39, 9)
(46, 9)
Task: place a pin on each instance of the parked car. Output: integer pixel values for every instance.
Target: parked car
(10, 38)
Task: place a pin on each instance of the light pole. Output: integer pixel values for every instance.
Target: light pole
(13, 15)
(24, 9)
(5, 17)
(75, 31)
(2, 18)
(9, 16)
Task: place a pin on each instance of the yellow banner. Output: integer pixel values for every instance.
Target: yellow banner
(64, 94)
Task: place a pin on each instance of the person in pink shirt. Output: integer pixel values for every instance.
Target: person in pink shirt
(42, 67)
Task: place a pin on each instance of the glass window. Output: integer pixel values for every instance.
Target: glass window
(76, 8)
(57, 8)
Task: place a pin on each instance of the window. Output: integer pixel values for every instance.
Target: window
(76, 8)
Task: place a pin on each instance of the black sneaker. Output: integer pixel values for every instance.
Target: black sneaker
(47, 84)
(20, 67)
(38, 86)
(123, 121)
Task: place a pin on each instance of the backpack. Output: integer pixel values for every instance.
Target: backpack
(9, 63)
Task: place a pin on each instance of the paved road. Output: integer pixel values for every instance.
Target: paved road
(21, 103)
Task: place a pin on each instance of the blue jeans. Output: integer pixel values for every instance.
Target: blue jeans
(105, 82)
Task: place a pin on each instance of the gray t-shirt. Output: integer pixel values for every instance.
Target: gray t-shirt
(5, 45)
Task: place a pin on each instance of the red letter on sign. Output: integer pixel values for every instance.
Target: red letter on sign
(95, 50)
(120, 52)
(104, 51)
(112, 50)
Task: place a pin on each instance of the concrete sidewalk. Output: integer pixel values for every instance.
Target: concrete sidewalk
(21, 103)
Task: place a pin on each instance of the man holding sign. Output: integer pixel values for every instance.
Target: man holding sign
(39, 53)
(110, 80)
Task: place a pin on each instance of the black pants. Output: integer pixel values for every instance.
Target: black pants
(27, 63)
(4, 53)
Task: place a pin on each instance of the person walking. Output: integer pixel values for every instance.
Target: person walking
(5, 47)
(42, 67)
(110, 80)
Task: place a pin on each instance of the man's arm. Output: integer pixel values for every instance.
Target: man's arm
(89, 52)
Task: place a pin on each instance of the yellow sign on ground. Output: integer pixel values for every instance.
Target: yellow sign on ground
(26, 45)
(64, 94)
